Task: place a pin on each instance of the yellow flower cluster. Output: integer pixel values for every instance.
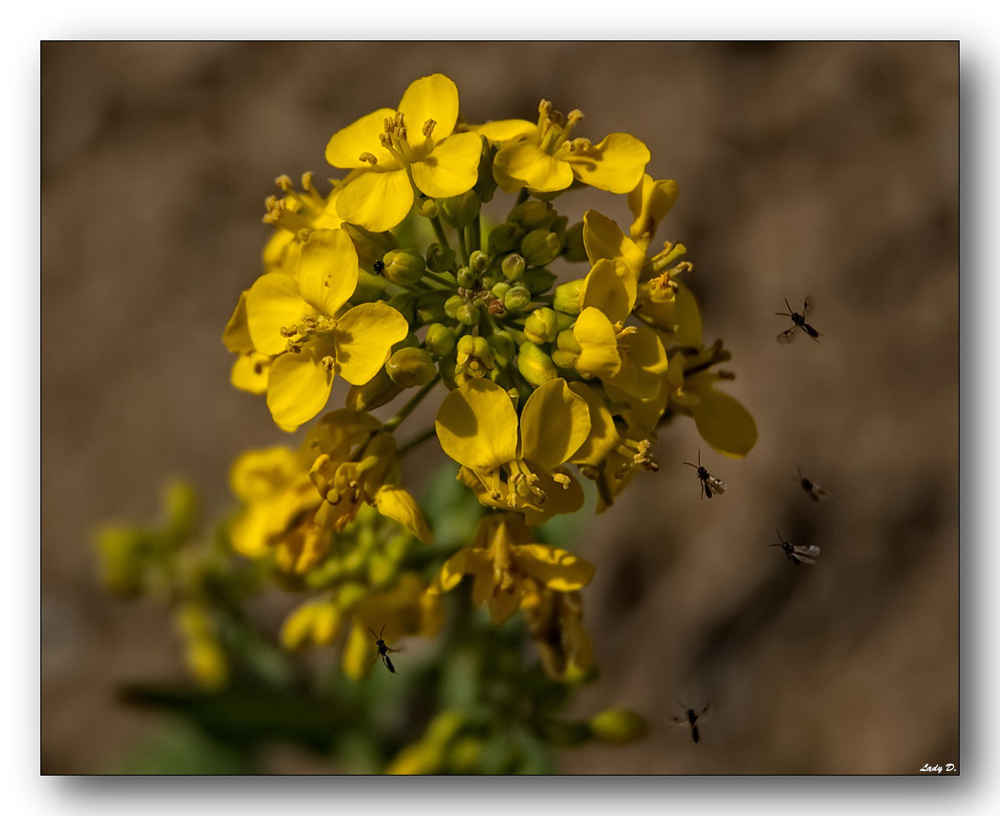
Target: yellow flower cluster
(402, 278)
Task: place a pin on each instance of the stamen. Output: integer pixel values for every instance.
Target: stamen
(284, 183)
(328, 363)
(370, 157)
(563, 479)
(428, 127)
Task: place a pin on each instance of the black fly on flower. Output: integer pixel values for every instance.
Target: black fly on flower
(799, 321)
(709, 483)
(812, 490)
(797, 554)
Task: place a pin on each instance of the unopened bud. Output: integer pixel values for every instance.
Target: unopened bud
(500, 290)
(378, 391)
(533, 215)
(440, 258)
(440, 340)
(535, 365)
(466, 278)
(479, 261)
(567, 297)
(460, 211)
(467, 314)
(540, 327)
(540, 247)
(403, 267)
(411, 367)
(517, 299)
(513, 267)
(504, 238)
(428, 208)
(503, 346)
(453, 304)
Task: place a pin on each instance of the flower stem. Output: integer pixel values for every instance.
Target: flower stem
(439, 232)
(477, 233)
(419, 439)
(394, 422)
(438, 278)
(462, 249)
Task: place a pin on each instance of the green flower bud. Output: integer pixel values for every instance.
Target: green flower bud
(375, 393)
(460, 211)
(503, 346)
(452, 305)
(567, 299)
(540, 247)
(440, 258)
(535, 365)
(440, 340)
(538, 279)
(618, 726)
(540, 327)
(500, 290)
(573, 242)
(513, 267)
(430, 307)
(479, 261)
(504, 238)
(466, 278)
(533, 215)
(370, 245)
(428, 208)
(517, 299)
(559, 228)
(403, 266)
(474, 358)
(369, 289)
(486, 184)
(567, 341)
(467, 314)
(406, 305)
(411, 367)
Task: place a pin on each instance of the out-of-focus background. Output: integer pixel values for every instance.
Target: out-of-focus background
(828, 169)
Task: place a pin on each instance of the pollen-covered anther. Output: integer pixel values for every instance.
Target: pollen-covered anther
(288, 331)
(333, 497)
(369, 157)
(625, 331)
(328, 363)
(307, 181)
(579, 145)
(284, 183)
(428, 127)
(294, 346)
(562, 479)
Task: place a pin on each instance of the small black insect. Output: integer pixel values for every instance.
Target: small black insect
(797, 555)
(383, 650)
(691, 718)
(799, 321)
(708, 482)
(813, 490)
(379, 266)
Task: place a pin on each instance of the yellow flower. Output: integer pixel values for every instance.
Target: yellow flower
(349, 479)
(555, 621)
(406, 609)
(251, 367)
(649, 202)
(390, 151)
(508, 570)
(297, 320)
(477, 426)
(205, 656)
(544, 159)
(295, 215)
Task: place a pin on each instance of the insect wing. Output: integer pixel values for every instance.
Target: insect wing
(817, 493)
(808, 553)
(788, 335)
(388, 664)
(713, 485)
(809, 306)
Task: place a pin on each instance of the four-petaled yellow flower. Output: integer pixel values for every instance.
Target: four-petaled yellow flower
(508, 570)
(542, 157)
(477, 426)
(298, 319)
(390, 151)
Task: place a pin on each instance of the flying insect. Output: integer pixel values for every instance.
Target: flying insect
(383, 650)
(799, 321)
(691, 718)
(796, 554)
(813, 490)
(709, 484)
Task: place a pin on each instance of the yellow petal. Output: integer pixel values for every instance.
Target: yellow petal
(688, 317)
(258, 474)
(603, 239)
(298, 386)
(599, 355)
(236, 336)
(722, 421)
(649, 202)
(644, 365)
(614, 164)
(504, 604)
(273, 303)
(477, 425)
(454, 569)
(451, 169)
(432, 97)
(250, 373)
(328, 270)
(504, 129)
(557, 569)
(346, 145)
(364, 339)
(554, 423)
(603, 436)
(359, 654)
(611, 287)
(395, 503)
(375, 200)
(522, 162)
(560, 497)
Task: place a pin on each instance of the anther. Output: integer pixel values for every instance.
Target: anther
(562, 478)
(428, 127)
(284, 183)
(328, 362)
(307, 181)
(370, 157)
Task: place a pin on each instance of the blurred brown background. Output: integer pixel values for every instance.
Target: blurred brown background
(828, 169)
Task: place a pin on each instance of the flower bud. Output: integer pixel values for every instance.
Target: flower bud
(503, 347)
(504, 238)
(618, 726)
(479, 261)
(411, 367)
(467, 314)
(517, 299)
(474, 359)
(538, 279)
(486, 184)
(428, 208)
(370, 245)
(430, 307)
(403, 267)
(513, 267)
(533, 215)
(567, 349)
(540, 247)
(535, 365)
(574, 250)
(440, 340)
(540, 327)
(460, 211)
(378, 391)
(466, 278)
(440, 258)
(452, 305)
(405, 304)
(567, 299)
(500, 290)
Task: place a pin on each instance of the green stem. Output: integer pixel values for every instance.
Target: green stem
(394, 422)
(410, 444)
(462, 249)
(477, 234)
(439, 232)
(450, 281)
